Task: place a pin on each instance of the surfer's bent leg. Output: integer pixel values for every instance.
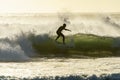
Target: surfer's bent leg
(63, 38)
(57, 36)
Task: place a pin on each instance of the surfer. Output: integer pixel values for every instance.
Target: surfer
(59, 32)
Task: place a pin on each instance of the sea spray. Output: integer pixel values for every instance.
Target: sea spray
(18, 48)
(25, 44)
(65, 17)
(11, 51)
(48, 23)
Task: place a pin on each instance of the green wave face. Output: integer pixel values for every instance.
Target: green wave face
(76, 46)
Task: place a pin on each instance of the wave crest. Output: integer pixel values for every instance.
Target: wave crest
(19, 49)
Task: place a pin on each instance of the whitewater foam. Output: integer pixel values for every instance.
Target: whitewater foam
(10, 51)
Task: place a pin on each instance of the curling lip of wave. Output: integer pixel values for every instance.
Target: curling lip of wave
(15, 50)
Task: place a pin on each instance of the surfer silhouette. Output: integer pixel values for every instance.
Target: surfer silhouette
(59, 32)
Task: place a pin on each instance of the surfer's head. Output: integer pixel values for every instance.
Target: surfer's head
(64, 25)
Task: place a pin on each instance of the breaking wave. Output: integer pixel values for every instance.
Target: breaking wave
(19, 49)
(14, 31)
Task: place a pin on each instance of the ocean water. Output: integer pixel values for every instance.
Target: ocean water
(15, 28)
(62, 69)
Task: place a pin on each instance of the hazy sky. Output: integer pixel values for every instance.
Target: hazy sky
(10, 6)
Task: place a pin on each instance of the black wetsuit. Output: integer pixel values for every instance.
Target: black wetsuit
(59, 33)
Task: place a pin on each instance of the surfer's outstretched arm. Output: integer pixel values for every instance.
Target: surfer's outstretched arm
(67, 29)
